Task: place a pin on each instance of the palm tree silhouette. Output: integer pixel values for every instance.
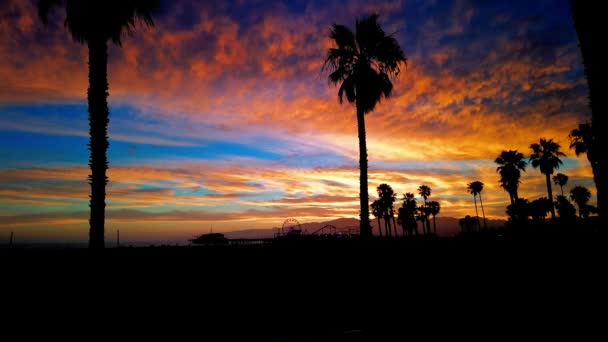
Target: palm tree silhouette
(434, 209)
(387, 199)
(561, 180)
(581, 195)
(511, 164)
(584, 140)
(475, 189)
(589, 23)
(377, 212)
(407, 214)
(363, 62)
(425, 192)
(538, 209)
(545, 155)
(565, 209)
(95, 22)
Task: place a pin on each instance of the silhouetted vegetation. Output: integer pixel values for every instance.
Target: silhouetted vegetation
(589, 23)
(581, 195)
(94, 23)
(546, 156)
(583, 140)
(424, 191)
(363, 62)
(385, 204)
(511, 163)
(565, 210)
(561, 180)
(469, 224)
(434, 209)
(407, 215)
(475, 188)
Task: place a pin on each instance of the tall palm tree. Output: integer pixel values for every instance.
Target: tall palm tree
(584, 140)
(377, 212)
(511, 163)
(475, 189)
(425, 192)
(364, 63)
(580, 195)
(545, 155)
(561, 180)
(434, 209)
(589, 22)
(95, 22)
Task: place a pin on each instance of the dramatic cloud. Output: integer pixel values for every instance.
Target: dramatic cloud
(222, 113)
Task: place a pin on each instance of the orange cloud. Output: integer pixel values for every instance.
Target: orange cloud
(454, 108)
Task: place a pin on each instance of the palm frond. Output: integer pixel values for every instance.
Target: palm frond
(108, 19)
(389, 56)
(368, 33)
(343, 36)
(337, 58)
(347, 88)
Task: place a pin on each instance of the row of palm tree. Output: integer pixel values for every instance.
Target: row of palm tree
(545, 155)
(408, 215)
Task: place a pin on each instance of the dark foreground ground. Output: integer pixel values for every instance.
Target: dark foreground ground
(481, 287)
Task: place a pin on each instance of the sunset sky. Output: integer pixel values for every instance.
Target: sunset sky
(220, 115)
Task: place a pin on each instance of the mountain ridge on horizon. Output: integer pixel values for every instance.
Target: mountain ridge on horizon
(446, 226)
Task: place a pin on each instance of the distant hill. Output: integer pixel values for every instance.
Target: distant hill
(446, 226)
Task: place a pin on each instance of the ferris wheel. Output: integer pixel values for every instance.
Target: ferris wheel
(291, 226)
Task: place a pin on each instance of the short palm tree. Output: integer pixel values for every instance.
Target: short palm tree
(95, 22)
(580, 195)
(511, 163)
(363, 62)
(425, 192)
(546, 156)
(434, 209)
(408, 213)
(387, 198)
(377, 212)
(561, 180)
(475, 188)
(584, 139)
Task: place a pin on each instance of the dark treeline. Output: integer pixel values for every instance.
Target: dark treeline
(545, 156)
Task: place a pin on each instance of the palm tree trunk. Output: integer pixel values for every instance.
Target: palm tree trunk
(98, 144)
(363, 194)
(588, 21)
(395, 227)
(434, 225)
(550, 193)
(386, 230)
(562, 187)
(379, 227)
(485, 226)
(476, 212)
